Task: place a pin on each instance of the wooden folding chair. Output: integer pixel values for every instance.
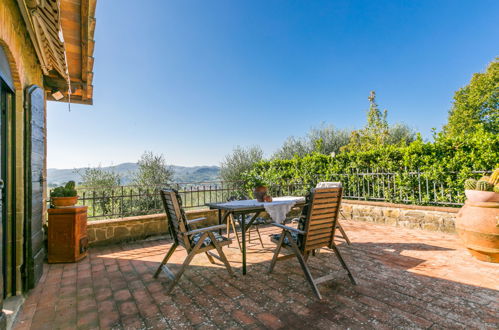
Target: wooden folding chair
(195, 241)
(315, 230)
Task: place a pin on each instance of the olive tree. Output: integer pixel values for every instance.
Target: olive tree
(292, 147)
(152, 173)
(324, 139)
(102, 184)
(97, 177)
(240, 160)
(152, 170)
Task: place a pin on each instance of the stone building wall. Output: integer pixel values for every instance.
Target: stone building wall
(26, 71)
(401, 215)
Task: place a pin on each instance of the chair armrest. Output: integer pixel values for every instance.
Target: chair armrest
(205, 229)
(195, 220)
(289, 228)
(298, 218)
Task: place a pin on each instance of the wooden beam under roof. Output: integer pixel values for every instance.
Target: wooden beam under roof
(78, 27)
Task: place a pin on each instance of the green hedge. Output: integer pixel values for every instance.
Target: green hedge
(445, 162)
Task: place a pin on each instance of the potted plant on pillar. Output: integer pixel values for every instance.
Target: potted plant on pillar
(258, 187)
(64, 196)
(477, 220)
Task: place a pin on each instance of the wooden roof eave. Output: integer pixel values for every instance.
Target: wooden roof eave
(44, 20)
(78, 26)
(87, 45)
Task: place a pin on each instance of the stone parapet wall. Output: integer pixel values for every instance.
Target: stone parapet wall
(101, 232)
(401, 215)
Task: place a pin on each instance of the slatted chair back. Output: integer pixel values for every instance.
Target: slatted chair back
(321, 219)
(195, 241)
(176, 217)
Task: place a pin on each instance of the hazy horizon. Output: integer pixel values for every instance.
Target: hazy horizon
(111, 165)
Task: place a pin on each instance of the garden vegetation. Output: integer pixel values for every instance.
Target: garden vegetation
(469, 142)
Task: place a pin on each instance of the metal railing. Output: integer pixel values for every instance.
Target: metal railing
(406, 187)
(125, 201)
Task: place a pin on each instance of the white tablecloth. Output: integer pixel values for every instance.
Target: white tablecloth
(328, 185)
(277, 209)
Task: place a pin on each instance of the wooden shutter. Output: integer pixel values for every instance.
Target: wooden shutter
(35, 163)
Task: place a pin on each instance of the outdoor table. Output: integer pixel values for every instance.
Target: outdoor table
(244, 207)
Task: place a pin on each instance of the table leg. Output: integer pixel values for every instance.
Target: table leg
(243, 232)
(220, 220)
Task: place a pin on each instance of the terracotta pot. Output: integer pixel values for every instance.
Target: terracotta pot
(260, 193)
(59, 202)
(477, 223)
(481, 196)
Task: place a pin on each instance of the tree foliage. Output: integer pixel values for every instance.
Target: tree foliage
(476, 106)
(448, 160)
(102, 183)
(327, 139)
(377, 131)
(98, 177)
(324, 139)
(239, 161)
(400, 134)
(152, 170)
(292, 147)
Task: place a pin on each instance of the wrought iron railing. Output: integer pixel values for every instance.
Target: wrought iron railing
(126, 201)
(407, 187)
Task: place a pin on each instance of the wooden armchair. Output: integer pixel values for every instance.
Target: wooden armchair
(315, 230)
(195, 241)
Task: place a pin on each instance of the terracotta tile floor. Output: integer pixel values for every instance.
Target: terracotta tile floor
(406, 279)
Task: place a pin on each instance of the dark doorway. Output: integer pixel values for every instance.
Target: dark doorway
(8, 226)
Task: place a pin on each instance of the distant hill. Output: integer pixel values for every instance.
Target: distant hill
(126, 170)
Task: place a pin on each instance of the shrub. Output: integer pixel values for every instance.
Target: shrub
(448, 161)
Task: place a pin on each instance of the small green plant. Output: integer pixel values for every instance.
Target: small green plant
(485, 183)
(253, 181)
(484, 186)
(65, 191)
(494, 178)
(470, 184)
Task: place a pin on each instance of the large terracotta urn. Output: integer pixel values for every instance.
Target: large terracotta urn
(477, 224)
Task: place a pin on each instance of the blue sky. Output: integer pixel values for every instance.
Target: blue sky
(193, 79)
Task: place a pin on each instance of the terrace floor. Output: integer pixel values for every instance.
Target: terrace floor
(406, 278)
